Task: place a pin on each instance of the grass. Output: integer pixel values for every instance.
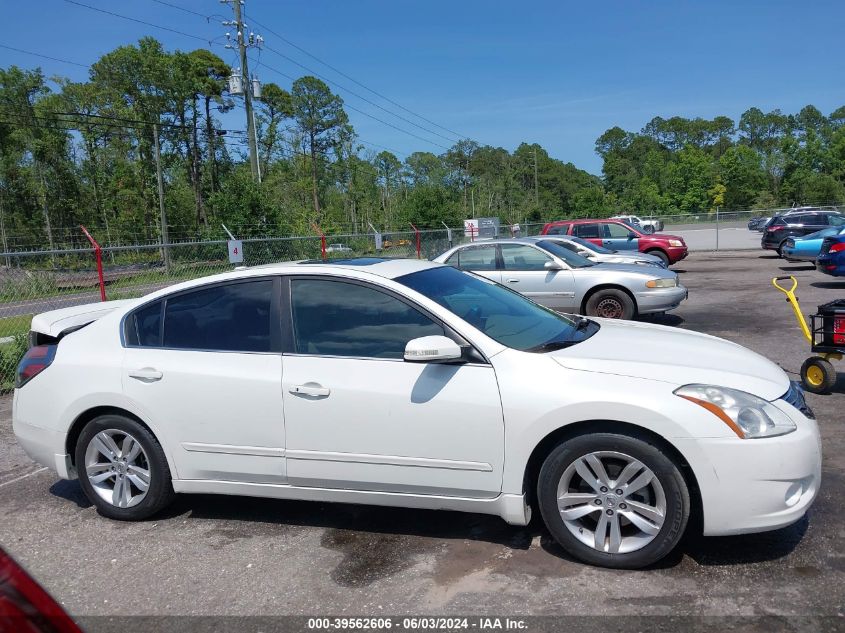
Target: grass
(10, 326)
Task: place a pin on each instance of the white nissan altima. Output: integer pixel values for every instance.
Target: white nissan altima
(409, 383)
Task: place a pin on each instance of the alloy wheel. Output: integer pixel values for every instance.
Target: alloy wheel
(117, 468)
(611, 502)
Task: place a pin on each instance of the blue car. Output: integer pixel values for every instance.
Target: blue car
(831, 259)
(806, 248)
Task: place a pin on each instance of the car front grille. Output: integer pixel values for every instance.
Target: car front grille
(795, 396)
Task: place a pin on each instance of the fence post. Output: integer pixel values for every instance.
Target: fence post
(448, 233)
(717, 228)
(322, 239)
(98, 255)
(417, 232)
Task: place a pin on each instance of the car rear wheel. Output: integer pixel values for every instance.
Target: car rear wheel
(611, 303)
(658, 253)
(613, 500)
(122, 468)
(648, 229)
(780, 248)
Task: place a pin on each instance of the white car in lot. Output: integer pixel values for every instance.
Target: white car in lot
(647, 226)
(408, 383)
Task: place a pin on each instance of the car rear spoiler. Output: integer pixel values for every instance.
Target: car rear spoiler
(52, 326)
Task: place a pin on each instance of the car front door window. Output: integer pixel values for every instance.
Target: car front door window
(334, 318)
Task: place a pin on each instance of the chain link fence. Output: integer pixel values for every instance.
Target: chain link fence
(35, 281)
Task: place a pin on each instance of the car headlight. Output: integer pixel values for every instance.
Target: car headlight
(675, 243)
(748, 416)
(669, 282)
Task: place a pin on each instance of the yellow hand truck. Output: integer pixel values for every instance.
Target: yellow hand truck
(825, 334)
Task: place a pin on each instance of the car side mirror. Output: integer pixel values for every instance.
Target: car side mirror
(432, 349)
(552, 265)
(631, 235)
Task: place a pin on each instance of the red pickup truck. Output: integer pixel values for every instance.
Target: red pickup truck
(618, 236)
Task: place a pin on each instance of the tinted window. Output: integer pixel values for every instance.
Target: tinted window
(334, 318)
(592, 247)
(558, 229)
(587, 230)
(145, 326)
(836, 220)
(233, 317)
(477, 258)
(572, 259)
(520, 257)
(616, 231)
(500, 313)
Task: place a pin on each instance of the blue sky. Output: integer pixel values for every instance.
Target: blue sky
(553, 72)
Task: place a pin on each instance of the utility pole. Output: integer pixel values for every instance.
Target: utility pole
(242, 42)
(165, 241)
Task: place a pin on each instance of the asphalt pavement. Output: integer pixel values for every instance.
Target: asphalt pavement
(240, 556)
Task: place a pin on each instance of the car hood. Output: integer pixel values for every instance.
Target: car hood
(627, 258)
(678, 357)
(662, 237)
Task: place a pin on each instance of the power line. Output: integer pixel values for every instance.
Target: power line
(210, 43)
(352, 79)
(150, 24)
(355, 94)
(55, 59)
(367, 114)
(207, 18)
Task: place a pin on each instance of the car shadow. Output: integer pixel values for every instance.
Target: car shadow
(829, 285)
(277, 515)
(70, 491)
(797, 267)
(768, 257)
(662, 319)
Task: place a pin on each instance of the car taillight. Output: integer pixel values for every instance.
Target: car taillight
(837, 248)
(36, 360)
(772, 229)
(25, 606)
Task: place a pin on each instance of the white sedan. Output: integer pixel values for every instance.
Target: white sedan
(408, 383)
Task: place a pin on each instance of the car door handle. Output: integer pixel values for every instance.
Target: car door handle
(147, 374)
(513, 281)
(310, 389)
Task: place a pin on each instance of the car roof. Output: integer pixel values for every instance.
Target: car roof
(387, 267)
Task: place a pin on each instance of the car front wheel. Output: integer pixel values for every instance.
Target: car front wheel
(610, 303)
(663, 256)
(613, 500)
(122, 468)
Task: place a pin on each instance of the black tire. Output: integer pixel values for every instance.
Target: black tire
(658, 253)
(818, 375)
(677, 498)
(780, 248)
(159, 494)
(610, 303)
(648, 229)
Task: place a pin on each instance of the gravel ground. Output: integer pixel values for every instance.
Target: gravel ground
(238, 556)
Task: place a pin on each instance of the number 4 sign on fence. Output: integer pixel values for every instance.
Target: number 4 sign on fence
(236, 251)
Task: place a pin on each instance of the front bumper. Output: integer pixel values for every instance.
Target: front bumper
(676, 253)
(660, 299)
(760, 484)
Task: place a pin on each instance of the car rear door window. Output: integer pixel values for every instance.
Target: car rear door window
(144, 326)
(337, 318)
(588, 231)
(521, 257)
(477, 258)
(558, 229)
(233, 317)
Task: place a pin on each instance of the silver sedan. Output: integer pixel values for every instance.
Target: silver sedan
(600, 254)
(557, 278)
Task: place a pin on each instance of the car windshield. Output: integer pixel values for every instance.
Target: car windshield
(502, 314)
(592, 247)
(573, 260)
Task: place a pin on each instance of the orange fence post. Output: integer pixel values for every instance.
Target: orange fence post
(98, 255)
(322, 239)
